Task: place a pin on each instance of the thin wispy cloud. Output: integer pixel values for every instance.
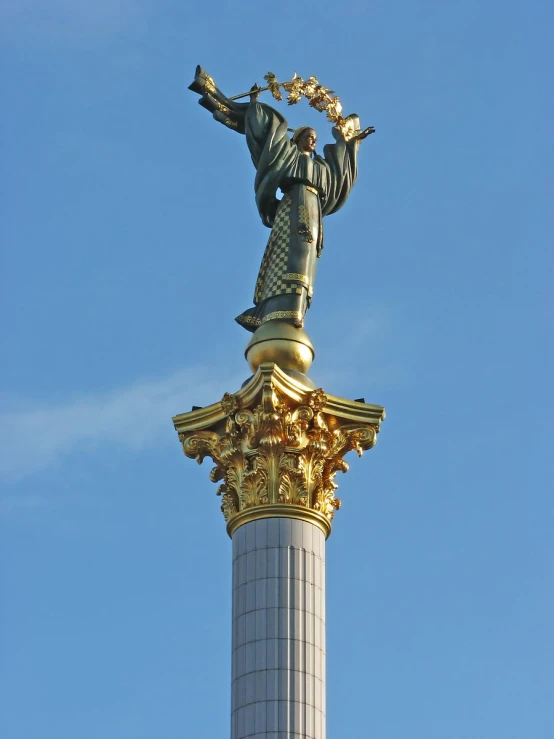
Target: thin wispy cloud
(35, 437)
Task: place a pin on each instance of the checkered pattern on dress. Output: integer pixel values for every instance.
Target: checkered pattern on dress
(273, 268)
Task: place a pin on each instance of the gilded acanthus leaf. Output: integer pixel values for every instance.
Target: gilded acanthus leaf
(292, 487)
(252, 490)
(235, 473)
(229, 505)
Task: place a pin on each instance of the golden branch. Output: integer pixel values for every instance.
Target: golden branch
(319, 97)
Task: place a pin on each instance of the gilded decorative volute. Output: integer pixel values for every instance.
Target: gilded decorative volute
(277, 446)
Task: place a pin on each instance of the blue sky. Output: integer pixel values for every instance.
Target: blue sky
(131, 240)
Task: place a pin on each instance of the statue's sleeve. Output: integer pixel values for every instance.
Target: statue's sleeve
(225, 111)
(272, 154)
(341, 160)
(266, 135)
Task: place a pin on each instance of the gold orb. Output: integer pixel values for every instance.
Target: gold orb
(288, 347)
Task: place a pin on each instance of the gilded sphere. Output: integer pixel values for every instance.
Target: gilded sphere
(276, 341)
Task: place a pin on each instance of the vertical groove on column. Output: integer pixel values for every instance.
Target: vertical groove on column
(287, 604)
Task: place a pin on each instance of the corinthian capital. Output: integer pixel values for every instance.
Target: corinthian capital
(277, 446)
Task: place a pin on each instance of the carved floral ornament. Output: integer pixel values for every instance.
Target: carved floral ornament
(278, 452)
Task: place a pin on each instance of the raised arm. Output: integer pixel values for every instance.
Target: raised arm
(342, 160)
(224, 110)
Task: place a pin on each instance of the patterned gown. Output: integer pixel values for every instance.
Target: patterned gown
(285, 283)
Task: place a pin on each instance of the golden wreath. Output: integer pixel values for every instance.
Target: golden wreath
(319, 97)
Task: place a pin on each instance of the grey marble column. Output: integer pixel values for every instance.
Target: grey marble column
(278, 658)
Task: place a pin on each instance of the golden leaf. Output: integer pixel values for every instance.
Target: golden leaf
(271, 79)
(273, 85)
(228, 506)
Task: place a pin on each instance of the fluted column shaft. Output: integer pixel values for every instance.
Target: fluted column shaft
(278, 642)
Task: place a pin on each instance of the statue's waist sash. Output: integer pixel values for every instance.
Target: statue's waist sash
(309, 188)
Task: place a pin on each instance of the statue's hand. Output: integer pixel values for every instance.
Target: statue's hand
(254, 92)
(365, 133)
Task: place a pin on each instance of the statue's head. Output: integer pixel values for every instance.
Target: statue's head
(305, 139)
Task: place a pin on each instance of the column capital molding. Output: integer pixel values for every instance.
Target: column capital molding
(277, 446)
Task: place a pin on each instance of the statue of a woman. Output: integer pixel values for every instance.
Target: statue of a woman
(313, 186)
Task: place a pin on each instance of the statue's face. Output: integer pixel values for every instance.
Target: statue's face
(307, 141)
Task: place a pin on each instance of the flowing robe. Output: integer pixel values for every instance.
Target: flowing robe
(312, 187)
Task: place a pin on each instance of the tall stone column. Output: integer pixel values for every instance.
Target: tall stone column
(277, 445)
(278, 643)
